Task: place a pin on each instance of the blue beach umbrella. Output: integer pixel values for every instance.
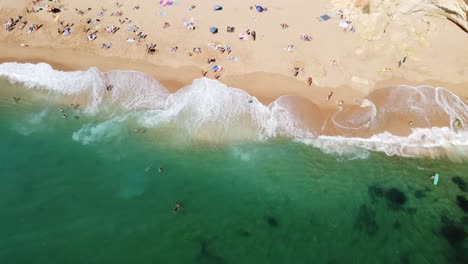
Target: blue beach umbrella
(213, 30)
(260, 8)
(218, 8)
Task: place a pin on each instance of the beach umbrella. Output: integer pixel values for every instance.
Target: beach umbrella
(218, 8)
(213, 30)
(260, 8)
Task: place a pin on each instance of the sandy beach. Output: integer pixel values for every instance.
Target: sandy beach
(284, 50)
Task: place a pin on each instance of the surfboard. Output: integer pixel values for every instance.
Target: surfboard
(436, 178)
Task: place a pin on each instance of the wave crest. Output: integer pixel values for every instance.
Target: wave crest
(210, 111)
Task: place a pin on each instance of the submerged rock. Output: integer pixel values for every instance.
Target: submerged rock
(375, 192)
(405, 259)
(244, 233)
(207, 256)
(272, 222)
(462, 202)
(460, 183)
(420, 194)
(395, 198)
(365, 220)
(453, 233)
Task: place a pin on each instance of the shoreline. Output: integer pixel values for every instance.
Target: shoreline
(255, 83)
(264, 66)
(312, 110)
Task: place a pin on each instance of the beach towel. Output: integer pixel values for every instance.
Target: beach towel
(213, 30)
(166, 3)
(216, 68)
(324, 17)
(243, 36)
(384, 69)
(344, 24)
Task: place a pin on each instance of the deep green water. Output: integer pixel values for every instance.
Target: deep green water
(62, 201)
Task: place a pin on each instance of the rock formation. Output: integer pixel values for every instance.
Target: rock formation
(454, 10)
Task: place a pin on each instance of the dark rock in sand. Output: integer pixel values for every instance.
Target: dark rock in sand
(452, 232)
(462, 202)
(375, 192)
(272, 222)
(395, 198)
(365, 220)
(460, 183)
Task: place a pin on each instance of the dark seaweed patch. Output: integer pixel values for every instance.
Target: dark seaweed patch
(461, 255)
(244, 233)
(395, 198)
(464, 220)
(207, 256)
(272, 222)
(420, 194)
(460, 183)
(375, 192)
(397, 225)
(365, 220)
(462, 203)
(453, 233)
(405, 259)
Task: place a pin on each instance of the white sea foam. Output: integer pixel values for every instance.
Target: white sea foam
(43, 76)
(131, 90)
(209, 110)
(32, 123)
(422, 142)
(108, 130)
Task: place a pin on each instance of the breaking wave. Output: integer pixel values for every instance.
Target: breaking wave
(208, 110)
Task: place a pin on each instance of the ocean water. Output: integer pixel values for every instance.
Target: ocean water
(81, 190)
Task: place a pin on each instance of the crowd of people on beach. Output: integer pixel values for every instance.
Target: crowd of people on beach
(138, 36)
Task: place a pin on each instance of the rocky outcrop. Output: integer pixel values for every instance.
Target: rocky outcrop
(454, 10)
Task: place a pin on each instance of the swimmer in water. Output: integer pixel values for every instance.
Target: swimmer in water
(178, 206)
(432, 177)
(161, 169)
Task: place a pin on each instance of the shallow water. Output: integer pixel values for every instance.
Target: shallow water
(78, 191)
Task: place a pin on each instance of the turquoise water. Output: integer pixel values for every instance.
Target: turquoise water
(277, 201)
